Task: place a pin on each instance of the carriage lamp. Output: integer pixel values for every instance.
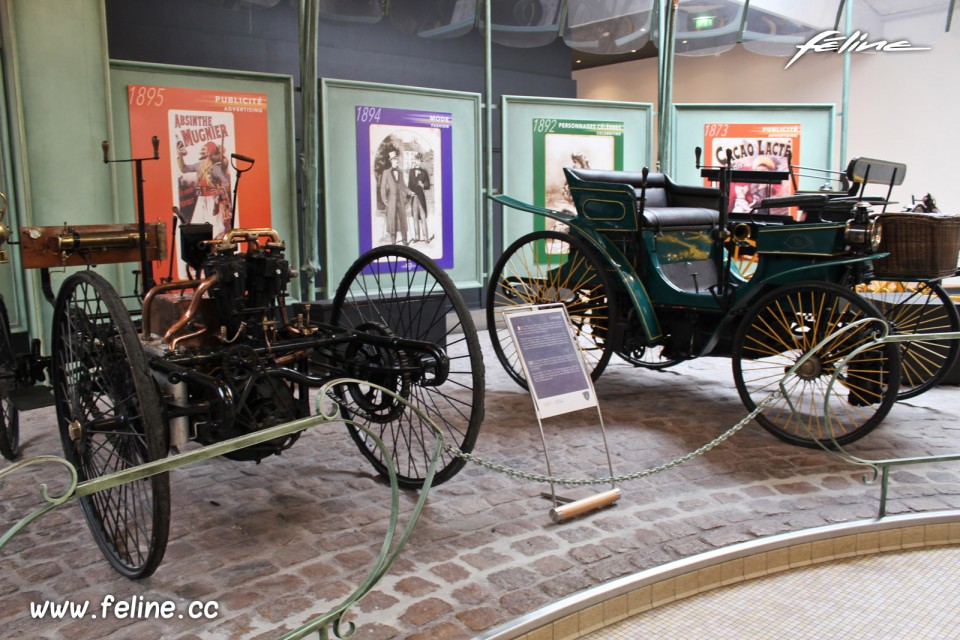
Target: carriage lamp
(862, 232)
(741, 233)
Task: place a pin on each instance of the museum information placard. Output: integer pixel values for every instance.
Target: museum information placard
(557, 379)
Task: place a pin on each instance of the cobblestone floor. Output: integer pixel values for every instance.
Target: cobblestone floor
(277, 543)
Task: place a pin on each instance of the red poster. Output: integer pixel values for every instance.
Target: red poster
(199, 130)
(761, 147)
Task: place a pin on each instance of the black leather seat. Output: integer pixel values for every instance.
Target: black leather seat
(663, 204)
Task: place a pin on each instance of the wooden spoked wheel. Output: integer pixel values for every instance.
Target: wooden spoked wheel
(553, 267)
(918, 308)
(791, 321)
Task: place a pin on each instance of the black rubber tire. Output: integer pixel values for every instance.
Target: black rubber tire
(9, 414)
(788, 322)
(526, 274)
(919, 307)
(649, 358)
(109, 415)
(384, 292)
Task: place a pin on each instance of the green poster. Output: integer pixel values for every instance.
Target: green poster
(583, 144)
(559, 143)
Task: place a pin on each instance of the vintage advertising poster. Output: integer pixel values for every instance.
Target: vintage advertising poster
(199, 130)
(405, 180)
(761, 147)
(559, 143)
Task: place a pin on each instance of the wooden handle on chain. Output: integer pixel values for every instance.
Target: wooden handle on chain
(584, 505)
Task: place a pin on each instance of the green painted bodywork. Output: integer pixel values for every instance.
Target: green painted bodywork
(819, 240)
(607, 250)
(639, 259)
(683, 246)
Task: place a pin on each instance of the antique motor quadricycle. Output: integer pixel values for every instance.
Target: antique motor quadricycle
(223, 354)
(645, 268)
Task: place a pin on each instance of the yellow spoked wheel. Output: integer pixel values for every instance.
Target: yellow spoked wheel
(549, 266)
(918, 308)
(787, 323)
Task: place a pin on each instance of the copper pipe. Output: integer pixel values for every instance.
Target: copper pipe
(285, 318)
(194, 304)
(148, 300)
(228, 241)
(249, 234)
(290, 357)
(102, 241)
(187, 336)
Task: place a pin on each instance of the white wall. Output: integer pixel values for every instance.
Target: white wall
(903, 106)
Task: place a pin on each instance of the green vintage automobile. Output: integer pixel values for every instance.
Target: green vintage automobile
(645, 269)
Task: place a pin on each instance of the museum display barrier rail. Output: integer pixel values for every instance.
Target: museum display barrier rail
(880, 468)
(326, 412)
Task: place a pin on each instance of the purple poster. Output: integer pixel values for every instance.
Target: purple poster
(405, 180)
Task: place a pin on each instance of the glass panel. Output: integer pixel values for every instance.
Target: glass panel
(366, 11)
(776, 27)
(524, 23)
(608, 26)
(706, 28)
(434, 18)
(919, 22)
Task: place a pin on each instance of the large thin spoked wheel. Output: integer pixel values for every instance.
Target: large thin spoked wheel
(400, 292)
(109, 417)
(549, 267)
(9, 415)
(918, 308)
(787, 323)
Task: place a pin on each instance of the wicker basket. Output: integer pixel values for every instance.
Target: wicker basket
(922, 246)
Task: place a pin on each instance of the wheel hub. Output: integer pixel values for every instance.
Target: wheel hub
(811, 369)
(75, 429)
(385, 369)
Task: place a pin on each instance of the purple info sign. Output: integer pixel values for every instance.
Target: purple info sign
(554, 370)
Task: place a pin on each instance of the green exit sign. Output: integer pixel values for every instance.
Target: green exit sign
(703, 22)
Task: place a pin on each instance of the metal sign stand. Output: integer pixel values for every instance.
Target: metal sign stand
(558, 383)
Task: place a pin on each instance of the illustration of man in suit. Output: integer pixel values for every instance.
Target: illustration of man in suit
(394, 194)
(418, 181)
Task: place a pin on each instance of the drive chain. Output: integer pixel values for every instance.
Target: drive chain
(579, 482)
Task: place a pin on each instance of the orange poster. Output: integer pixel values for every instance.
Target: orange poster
(762, 147)
(196, 177)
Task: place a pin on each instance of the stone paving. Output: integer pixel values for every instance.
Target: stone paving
(276, 543)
